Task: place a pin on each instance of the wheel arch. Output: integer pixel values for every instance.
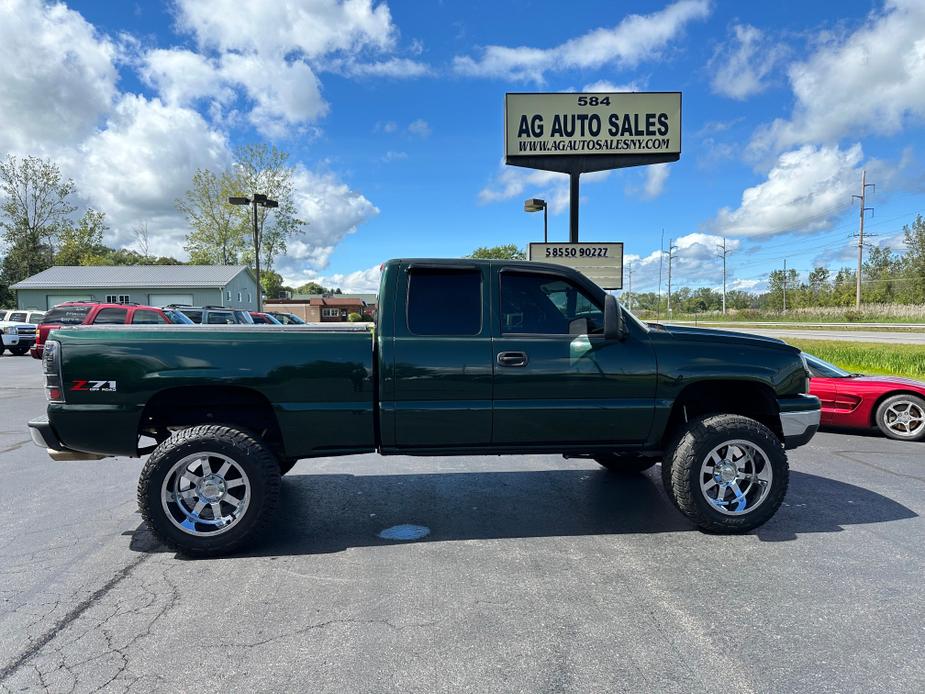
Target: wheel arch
(872, 420)
(749, 398)
(180, 407)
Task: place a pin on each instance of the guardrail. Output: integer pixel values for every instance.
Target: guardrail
(795, 325)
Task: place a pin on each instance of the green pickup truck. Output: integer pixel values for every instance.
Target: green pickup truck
(468, 357)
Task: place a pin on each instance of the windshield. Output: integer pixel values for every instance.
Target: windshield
(629, 314)
(66, 315)
(823, 369)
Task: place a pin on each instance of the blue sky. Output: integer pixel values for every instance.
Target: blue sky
(392, 113)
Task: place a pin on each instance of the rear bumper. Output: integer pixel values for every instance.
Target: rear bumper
(799, 419)
(45, 437)
(37, 350)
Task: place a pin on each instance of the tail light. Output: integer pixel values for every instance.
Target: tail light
(51, 366)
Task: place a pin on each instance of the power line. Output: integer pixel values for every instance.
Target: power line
(671, 250)
(724, 252)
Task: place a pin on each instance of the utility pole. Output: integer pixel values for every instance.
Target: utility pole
(785, 285)
(671, 250)
(661, 257)
(630, 268)
(722, 254)
(862, 197)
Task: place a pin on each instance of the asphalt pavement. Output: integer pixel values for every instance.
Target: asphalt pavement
(538, 575)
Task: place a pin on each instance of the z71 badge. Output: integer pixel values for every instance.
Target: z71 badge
(94, 385)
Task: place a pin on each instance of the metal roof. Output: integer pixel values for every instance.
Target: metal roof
(132, 276)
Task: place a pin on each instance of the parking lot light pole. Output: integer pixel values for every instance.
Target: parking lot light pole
(263, 201)
(535, 205)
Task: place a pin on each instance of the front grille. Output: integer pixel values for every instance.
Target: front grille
(27, 332)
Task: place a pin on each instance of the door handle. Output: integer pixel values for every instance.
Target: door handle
(512, 358)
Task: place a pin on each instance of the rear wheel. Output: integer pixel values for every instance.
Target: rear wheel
(625, 464)
(902, 417)
(727, 473)
(208, 490)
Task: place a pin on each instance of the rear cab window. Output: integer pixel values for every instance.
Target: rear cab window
(444, 301)
(220, 318)
(67, 315)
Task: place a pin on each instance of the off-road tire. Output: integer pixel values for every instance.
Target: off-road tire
(262, 468)
(625, 464)
(682, 469)
(880, 417)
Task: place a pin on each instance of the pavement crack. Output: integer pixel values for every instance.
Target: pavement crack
(41, 641)
(15, 446)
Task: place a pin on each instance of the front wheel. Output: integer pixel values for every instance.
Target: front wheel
(902, 417)
(19, 350)
(208, 490)
(625, 464)
(727, 473)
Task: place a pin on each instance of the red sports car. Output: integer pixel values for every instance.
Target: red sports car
(894, 405)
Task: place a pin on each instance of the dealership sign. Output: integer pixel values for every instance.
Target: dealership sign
(600, 262)
(599, 124)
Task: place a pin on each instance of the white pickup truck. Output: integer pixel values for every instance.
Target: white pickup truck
(18, 329)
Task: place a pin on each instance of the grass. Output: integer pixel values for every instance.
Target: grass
(869, 357)
(868, 313)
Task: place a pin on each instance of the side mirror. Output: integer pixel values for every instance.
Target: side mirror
(613, 318)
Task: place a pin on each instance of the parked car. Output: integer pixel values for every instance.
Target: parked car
(20, 315)
(894, 405)
(94, 313)
(17, 330)
(261, 318)
(532, 358)
(286, 318)
(214, 315)
(176, 316)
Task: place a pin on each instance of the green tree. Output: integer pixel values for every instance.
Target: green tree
(914, 261)
(83, 244)
(35, 208)
(354, 317)
(264, 169)
(315, 288)
(272, 283)
(508, 251)
(219, 231)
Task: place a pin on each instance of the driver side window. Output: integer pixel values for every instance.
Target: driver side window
(546, 305)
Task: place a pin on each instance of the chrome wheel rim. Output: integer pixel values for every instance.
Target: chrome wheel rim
(904, 418)
(205, 494)
(736, 477)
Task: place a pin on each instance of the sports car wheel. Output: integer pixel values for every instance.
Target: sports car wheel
(902, 417)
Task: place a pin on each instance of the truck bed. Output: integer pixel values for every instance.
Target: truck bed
(317, 378)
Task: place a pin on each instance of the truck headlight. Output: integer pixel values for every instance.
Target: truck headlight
(11, 330)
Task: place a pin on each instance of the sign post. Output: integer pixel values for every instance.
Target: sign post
(579, 133)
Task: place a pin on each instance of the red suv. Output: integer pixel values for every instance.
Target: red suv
(90, 313)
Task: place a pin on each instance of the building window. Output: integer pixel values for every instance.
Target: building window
(228, 295)
(239, 297)
(330, 312)
(117, 298)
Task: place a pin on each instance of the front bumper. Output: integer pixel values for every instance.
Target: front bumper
(9, 340)
(799, 419)
(45, 437)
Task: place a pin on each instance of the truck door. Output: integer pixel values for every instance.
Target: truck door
(441, 363)
(556, 379)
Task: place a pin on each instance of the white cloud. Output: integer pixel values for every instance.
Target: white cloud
(182, 77)
(634, 39)
(605, 86)
(871, 81)
(805, 190)
(136, 167)
(656, 176)
(420, 128)
(332, 211)
(399, 68)
(57, 78)
(741, 66)
(360, 281)
(512, 182)
(283, 26)
(743, 285)
(393, 155)
(694, 261)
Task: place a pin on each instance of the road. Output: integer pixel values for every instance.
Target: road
(539, 575)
